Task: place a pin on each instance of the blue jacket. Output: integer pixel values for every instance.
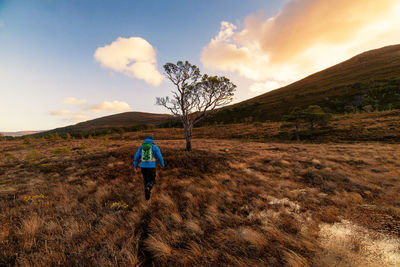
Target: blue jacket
(156, 153)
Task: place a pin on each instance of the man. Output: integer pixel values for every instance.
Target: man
(147, 153)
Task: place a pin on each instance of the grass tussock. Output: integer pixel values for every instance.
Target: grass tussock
(33, 156)
(158, 247)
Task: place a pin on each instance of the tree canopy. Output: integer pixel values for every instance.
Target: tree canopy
(195, 95)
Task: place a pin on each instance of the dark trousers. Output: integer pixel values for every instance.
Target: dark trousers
(149, 177)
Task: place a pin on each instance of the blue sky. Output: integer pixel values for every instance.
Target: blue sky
(47, 52)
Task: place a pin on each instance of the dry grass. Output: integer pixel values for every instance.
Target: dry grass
(373, 126)
(346, 244)
(228, 203)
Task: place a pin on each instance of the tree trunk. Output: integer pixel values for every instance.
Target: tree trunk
(188, 136)
(297, 132)
(188, 144)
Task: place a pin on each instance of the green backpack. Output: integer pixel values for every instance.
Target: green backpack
(147, 153)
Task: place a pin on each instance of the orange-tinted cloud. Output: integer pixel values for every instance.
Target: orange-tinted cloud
(74, 101)
(303, 37)
(78, 117)
(84, 112)
(61, 112)
(302, 24)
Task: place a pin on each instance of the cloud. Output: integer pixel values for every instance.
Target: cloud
(60, 112)
(110, 106)
(71, 116)
(263, 87)
(133, 56)
(78, 117)
(84, 112)
(74, 101)
(303, 37)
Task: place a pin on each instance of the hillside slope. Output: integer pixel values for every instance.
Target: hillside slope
(123, 119)
(370, 80)
(126, 119)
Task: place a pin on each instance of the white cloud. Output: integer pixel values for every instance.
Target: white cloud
(74, 101)
(60, 112)
(84, 112)
(263, 87)
(110, 106)
(133, 56)
(78, 117)
(305, 36)
(71, 116)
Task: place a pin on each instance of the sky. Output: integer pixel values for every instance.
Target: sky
(67, 61)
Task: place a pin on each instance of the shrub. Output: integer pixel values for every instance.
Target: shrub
(33, 156)
(365, 132)
(27, 141)
(80, 147)
(313, 116)
(22, 147)
(61, 150)
(9, 155)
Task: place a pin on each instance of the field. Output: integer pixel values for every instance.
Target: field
(228, 203)
(368, 126)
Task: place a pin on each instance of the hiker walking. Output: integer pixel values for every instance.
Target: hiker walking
(147, 153)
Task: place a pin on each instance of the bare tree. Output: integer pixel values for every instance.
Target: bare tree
(195, 96)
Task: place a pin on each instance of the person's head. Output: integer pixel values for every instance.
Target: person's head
(150, 137)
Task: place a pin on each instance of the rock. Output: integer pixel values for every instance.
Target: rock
(285, 162)
(316, 162)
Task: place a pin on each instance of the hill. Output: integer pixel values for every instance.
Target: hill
(126, 119)
(369, 81)
(123, 119)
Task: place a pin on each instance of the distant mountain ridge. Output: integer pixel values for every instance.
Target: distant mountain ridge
(126, 119)
(18, 134)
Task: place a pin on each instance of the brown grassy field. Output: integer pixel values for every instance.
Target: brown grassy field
(228, 203)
